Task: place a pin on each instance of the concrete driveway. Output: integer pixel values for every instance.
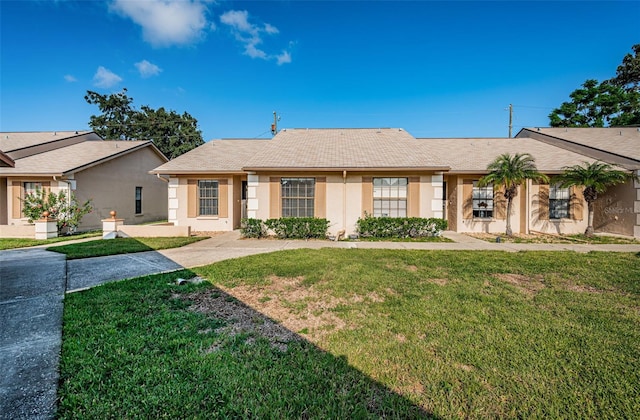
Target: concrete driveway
(32, 286)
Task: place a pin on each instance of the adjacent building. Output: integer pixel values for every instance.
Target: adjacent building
(113, 174)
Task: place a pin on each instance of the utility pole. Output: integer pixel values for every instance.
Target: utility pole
(510, 119)
(274, 125)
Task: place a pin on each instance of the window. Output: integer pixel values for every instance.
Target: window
(31, 187)
(208, 197)
(297, 196)
(390, 197)
(558, 202)
(138, 200)
(482, 201)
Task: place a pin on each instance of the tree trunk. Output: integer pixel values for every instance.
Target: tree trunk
(589, 231)
(509, 232)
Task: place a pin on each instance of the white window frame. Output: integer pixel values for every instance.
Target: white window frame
(390, 196)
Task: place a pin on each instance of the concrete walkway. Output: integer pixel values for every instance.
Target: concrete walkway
(33, 282)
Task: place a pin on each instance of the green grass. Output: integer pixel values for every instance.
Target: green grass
(403, 334)
(556, 239)
(11, 243)
(115, 246)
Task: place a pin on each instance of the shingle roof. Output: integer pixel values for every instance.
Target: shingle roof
(10, 141)
(72, 158)
(214, 156)
(474, 154)
(368, 148)
(623, 141)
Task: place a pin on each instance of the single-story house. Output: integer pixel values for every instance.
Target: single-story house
(345, 174)
(113, 174)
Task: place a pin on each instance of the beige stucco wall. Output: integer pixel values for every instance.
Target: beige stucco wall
(13, 200)
(344, 197)
(178, 205)
(525, 214)
(614, 210)
(110, 186)
(567, 226)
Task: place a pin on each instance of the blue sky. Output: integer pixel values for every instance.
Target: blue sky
(436, 69)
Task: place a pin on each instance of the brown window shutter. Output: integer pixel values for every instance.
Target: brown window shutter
(223, 198)
(46, 186)
(320, 203)
(499, 205)
(543, 202)
(367, 195)
(192, 198)
(413, 197)
(576, 203)
(467, 198)
(274, 197)
(16, 195)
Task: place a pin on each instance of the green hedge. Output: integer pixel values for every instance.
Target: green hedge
(286, 227)
(253, 228)
(399, 227)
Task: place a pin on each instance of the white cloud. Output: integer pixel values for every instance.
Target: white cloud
(250, 35)
(105, 78)
(69, 78)
(167, 22)
(283, 58)
(147, 69)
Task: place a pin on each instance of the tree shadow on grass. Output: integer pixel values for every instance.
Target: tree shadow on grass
(149, 347)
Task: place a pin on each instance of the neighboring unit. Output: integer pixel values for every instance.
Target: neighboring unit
(113, 174)
(345, 174)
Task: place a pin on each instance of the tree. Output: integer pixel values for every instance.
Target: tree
(598, 105)
(595, 178)
(172, 133)
(628, 73)
(614, 102)
(67, 211)
(508, 172)
(115, 121)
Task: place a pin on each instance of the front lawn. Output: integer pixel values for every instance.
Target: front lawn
(554, 239)
(367, 333)
(100, 248)
(11, 243)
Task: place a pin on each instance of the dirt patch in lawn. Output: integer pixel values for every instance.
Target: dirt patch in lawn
(527, 285)
(278, 311)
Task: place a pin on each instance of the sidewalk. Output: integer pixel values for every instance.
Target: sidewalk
(231, 245)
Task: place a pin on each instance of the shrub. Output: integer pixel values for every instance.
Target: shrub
(399, 227)
(67, 211)
(253, 228)
(298, 227)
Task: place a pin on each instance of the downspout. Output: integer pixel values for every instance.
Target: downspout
(162, 178)
(344, 201)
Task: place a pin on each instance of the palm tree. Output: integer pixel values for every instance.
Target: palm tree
(510, 171)
(595, 177)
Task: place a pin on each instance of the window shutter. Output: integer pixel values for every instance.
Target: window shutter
(367, 195)
(499, 205)
(575, 203)
(413, 197)
(192, 198)
(223, 198)
(16, 195)
(467, 198)
(543, 202)
(320, 199)
(274, 198)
